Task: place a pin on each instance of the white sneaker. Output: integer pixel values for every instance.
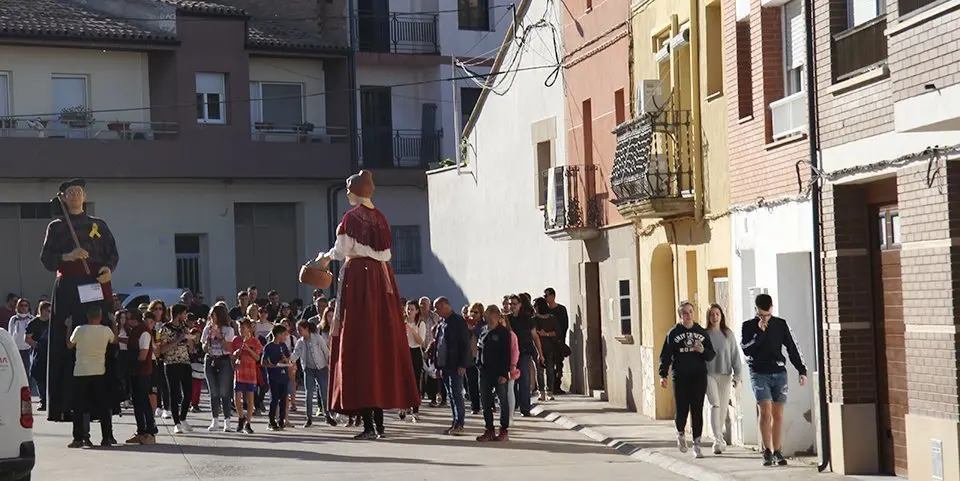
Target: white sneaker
(226, 425)
(697, 450)
(717, 447)
(177, 429)
(167, 414)
(213, 425)
(682, 442)
(158, 413)
(414, 418)
(186, 427)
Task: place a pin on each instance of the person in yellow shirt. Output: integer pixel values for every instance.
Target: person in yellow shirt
(89, 378)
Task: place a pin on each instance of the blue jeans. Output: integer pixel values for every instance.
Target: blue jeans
(489, 387)
(25, 357)
(453, 382)
(315, 380)
(770, 387)
(219, 372)
(522, 386)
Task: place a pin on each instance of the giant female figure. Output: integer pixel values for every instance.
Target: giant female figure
(370, 363)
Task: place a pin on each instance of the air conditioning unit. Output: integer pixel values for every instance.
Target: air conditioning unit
(650, 97)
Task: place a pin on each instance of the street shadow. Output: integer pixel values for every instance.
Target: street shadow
(558, 448)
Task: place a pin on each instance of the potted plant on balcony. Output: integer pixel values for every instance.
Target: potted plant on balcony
(263, 126)
(77, 117)
(118, 126)
(303, 130)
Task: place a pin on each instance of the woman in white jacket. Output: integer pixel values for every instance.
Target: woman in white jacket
(723, 372)
(18, 329)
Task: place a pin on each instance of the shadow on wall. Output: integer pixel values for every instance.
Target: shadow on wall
(631, 402)
(576, 362)
(438, 283)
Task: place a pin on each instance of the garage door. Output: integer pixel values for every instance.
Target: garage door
(266, 247)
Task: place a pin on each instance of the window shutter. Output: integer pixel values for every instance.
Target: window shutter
(255, 103)
(794, 34)
(863, 11)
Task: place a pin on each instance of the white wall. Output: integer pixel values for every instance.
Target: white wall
(145, 216)
(407, 100)
(454, 41)
(115, 80)
(769, 250)
(484, 226)
(306, 72)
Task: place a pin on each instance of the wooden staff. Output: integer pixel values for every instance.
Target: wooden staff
(73, 232)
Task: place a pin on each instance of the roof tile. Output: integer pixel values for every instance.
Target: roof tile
(60, 19)
(209, 8)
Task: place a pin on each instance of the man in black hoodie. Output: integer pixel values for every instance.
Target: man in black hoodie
(763, 339)
(453, 356)
(688, 349)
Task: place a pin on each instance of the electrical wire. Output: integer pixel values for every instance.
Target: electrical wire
(309, 95)
(510, 8)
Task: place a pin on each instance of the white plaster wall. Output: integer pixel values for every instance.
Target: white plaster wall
(115, 80)
(306, 72)
(485, 228)
(144, 217)
(760, 240)
(887, 146)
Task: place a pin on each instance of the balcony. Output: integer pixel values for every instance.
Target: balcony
(571, 211)
(398, 33)
(652, 174)
(399, 149)
(789, 115)
(305, 133)
(860, 49)
(53, 128)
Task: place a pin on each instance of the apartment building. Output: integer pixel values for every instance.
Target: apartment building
(770, 213)
(211, 139)
(888, 87)
(670, 175)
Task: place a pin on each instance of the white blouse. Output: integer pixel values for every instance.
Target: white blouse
(347, 246)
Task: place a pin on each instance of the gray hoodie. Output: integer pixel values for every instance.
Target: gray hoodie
(727, 360)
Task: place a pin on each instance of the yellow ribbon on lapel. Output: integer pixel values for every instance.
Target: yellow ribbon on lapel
(95, 231)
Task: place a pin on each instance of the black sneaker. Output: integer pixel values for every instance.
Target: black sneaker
(87, 443)
(247, 429)
(308, 423)
(767, 458)
(106, 442)
(273, 427)
(366, 436)
(75, 444)
(779, 459)
(331, 421)
(240, 425)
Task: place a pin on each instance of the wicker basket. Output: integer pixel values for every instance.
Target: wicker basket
(313, 275)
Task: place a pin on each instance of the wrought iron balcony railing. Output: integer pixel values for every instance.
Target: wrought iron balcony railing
(383, 148)
(652, 159)
(570, 201)
(398, 33)
(304, 133)
(859, 49)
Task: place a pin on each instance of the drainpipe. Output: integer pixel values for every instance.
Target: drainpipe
(696, 153)
(352, 79)
(818, 317)
(332, 222)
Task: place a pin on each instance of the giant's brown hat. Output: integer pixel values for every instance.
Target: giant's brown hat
(361, 185)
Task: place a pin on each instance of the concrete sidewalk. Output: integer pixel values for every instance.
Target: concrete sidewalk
(654, 442)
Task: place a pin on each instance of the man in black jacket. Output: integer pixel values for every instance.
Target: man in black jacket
(453, 357)
(763, 339)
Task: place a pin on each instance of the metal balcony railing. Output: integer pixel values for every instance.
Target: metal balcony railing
(860, 48)
(652, 160)
(57, 128)
(304, 133)
(399, 148)
(398, 33)
(570, 201)
(789, 115)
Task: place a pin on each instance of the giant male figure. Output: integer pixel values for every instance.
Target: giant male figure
(84, 260)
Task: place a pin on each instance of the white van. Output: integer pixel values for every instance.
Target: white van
(17, 453)
(131, 298)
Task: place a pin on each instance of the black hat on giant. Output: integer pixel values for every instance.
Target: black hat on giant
(71, 183)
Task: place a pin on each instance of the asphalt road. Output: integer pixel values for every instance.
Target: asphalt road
(411, 451)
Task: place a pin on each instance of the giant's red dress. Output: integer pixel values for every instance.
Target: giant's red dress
(369, 356)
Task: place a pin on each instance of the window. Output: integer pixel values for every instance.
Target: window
(910, 6)
(4, 94)
(794, 47)
(211, 93)
(586, 113)
(544, 163)
(714, 49)
(888, 227)
(862, 11)
(468, 100)
(589, 4)
(406, 250)
(187, 251)
(626, 326)
(280, 104)
(619, 109)
(744, 70)
(473, 14)
(69, 92)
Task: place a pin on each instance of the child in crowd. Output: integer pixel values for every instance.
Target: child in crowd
(196, 365)
(246, 351)
(276, 359)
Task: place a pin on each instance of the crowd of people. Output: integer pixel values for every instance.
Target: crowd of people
(157, 359)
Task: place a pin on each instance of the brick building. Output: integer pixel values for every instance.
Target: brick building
(771, 221)
(887, 92)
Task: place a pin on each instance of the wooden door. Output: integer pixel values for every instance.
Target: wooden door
(376, 126)
(373, 25)
(889, 340)
(266, 247)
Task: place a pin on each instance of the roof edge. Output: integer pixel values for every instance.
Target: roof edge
(520, 12)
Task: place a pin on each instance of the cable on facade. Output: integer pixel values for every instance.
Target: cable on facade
(309, 95)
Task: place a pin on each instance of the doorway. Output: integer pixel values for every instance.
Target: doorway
(376, 127)
(596, 367)
(664, 301)
(373, 25)
(889, 339)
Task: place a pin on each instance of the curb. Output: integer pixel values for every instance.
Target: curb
(663, 461)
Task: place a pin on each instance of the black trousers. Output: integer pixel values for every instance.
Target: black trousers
(163, 389)
(89, 401)
(689, 392)
(416, 357)
(473, 387)
(372, 420)
(180, 382)
(140, 393)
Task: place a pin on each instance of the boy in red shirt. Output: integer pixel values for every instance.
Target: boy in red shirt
(246, 351)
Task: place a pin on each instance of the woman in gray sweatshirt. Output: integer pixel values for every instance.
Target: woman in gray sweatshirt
(722, 372)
